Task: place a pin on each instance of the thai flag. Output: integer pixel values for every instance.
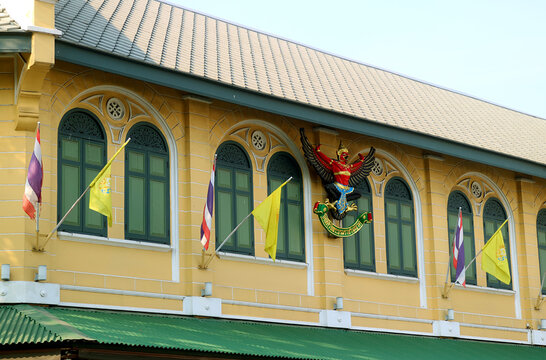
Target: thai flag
(33, 187)
(207, 211)
(458, 252)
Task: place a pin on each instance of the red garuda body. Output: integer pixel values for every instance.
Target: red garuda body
(338, 176)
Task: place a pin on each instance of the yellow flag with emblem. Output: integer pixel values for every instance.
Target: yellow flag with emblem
(267, 215)
(494, 259)
(100, 189)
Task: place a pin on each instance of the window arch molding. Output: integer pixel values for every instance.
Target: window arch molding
(147, 167)
(458, 199)
(291, 238)
(541, 242)
(157, 119)
(418, 213)
(501, 197)
(82, 152)
(293, 145)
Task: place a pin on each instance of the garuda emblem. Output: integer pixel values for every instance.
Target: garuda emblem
(339, 178)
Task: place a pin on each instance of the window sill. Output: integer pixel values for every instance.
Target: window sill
(258, 260)
(373, 275)
(487, 290)
(112, 242)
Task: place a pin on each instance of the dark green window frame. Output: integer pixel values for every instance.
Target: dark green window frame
(233, 196)
(455, 201)
(81, 155)
(400, 229)
(493, 217)
(541, 242)
(291, 237)
(147, 188)
(359, 249)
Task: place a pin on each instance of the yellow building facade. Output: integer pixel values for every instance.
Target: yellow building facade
(114, 272)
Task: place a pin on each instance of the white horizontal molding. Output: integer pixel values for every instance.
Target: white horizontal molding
(487, 290)
(259, 260)
(91, 239)
(374, 275)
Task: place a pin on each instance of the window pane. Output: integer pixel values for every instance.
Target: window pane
(224, 218)
(489, 229)
(469, 255)
(158, 166)
(137, 201)
(350, 250)
(392, 209)
(282, 238)
(393, 249)
(364, 204)
(295, 239)
(93, 154)
(293, 190)
(92, 219)
(223, 177)
(405, 212)
(136, 162)
(408, 248)
(541, 238)
(158, 214)
(70, 150)
(366, 245)
(70, 191)
(542, 261)
(242, 181)
(244, 235)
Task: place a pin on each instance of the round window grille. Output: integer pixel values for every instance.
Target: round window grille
(115, 108)
(258, 140)
(476, 189)
(377, 168)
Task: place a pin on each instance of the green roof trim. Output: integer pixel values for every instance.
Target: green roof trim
(154, 331)
(12, 42)
(213, 89)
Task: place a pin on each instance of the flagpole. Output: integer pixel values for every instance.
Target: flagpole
(82, 195)
(223, 242)
(39, 200)
(204, 266)
(479, 252)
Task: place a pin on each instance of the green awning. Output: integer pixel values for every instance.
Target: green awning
(32, 325)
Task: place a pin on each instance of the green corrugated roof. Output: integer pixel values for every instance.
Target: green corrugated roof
(31, 324)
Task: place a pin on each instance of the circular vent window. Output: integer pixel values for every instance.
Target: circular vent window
(115, 108)
(258, 140)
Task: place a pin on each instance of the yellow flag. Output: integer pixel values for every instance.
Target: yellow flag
(267, 215)
(494, 259)
(100, 198)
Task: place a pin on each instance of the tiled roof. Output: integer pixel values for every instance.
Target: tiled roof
(6, 22)
(162, 34)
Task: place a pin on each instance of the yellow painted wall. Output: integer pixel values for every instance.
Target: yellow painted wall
(196, 127)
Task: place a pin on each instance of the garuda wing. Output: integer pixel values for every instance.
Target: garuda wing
(359, 175)
(325, 174)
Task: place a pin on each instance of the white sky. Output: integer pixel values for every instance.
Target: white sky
(494, 50)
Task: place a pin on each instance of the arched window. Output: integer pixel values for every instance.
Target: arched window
(147, 209)
(290, 241)
(458, 200)
(233, 199)
(400, 229)
(493, 217)
(359, 249)
(541, 237)
(81, 156)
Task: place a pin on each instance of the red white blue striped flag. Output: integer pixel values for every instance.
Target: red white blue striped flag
(458, 252)
(207, 211)
(33, 187)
